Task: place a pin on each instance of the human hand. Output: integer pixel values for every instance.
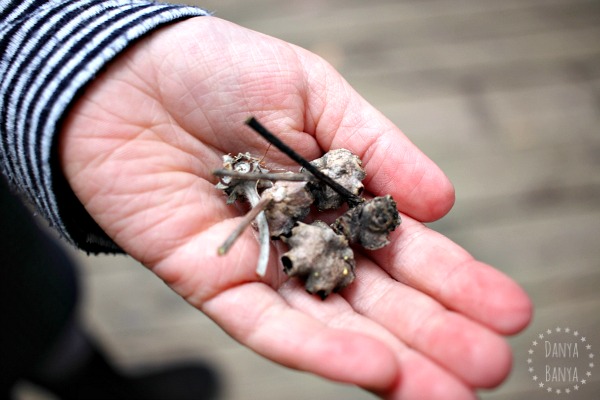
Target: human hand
(423, 318)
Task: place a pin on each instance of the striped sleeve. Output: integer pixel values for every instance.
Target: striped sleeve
(49, 51)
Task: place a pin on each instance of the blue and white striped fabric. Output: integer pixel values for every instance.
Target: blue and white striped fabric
(49, 51)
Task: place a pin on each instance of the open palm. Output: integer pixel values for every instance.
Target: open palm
(423, 318)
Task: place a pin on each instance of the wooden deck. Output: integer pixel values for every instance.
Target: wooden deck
(503, 95)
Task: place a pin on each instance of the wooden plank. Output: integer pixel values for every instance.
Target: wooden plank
(442, 19)
(491, 129)
(531, 249)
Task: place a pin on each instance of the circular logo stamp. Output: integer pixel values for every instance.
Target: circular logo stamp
(560, 361)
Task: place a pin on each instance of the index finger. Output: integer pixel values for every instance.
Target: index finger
(433, 264)
(340, 118)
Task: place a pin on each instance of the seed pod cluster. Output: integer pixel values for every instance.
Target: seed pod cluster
(322, 251)
(319, 254)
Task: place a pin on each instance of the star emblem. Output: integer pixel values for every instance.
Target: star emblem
(562, 337)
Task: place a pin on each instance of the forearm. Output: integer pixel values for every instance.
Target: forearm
(49, 52)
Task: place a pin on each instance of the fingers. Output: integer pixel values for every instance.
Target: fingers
(431, 263)
(332, 341)
(419, 377)
(391, 338)
(339, 117)
(473, 353)
(259, 318)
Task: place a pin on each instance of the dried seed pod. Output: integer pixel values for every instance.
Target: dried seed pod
(236, 188)
(343, 167)
(290, 202)
(319, 256)
(369, 223)
(243, 163)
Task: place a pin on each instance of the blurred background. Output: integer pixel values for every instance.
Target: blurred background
(503, 95)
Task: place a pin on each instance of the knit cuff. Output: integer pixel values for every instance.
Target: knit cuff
(49, 53)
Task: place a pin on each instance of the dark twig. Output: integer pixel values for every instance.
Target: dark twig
(351, 198)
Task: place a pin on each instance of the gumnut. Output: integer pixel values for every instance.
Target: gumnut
(238, 188)
(343, 167)
(290, 202)
(369, 223)
(319, 256)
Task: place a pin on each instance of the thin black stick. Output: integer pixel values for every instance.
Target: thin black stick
(351, 198)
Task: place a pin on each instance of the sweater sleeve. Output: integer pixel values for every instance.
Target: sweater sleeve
(49, 51)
